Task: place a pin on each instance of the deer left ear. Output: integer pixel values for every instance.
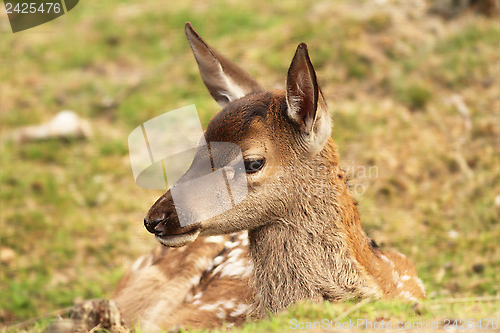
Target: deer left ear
(306, 105)
(225, 81)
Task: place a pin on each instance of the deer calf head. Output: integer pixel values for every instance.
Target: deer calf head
(271, 129)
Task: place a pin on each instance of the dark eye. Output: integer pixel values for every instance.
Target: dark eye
(252, 166)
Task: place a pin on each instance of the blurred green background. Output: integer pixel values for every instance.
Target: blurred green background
(414, 93)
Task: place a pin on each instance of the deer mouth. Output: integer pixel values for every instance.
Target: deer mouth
(178, 240)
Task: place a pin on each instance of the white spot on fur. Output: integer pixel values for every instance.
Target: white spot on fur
(204, 263)
(196, 298)
(218, 260)
(221, 313)
(405, 278)
(420, 284)
(138, 263)
(195, 280)
(373, 290)
(235, 253)
(240, 310)
(237, 268)
(395, 277)
(209, 307)
(214, 239)
(189, 297)
(234, 266)
(228, 304)
(243, 237)
(387, 260)
(407, 295)
(230, 245)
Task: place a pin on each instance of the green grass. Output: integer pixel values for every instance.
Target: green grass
(71, 214)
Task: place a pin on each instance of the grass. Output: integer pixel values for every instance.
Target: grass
(70, 218)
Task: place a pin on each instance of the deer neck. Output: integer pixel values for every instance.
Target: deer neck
(319, 252)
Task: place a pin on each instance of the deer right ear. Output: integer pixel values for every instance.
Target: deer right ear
(225, 81)
(306, 106)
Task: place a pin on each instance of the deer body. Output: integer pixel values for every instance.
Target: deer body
(297, 235)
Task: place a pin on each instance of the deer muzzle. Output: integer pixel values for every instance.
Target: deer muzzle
(162, 221)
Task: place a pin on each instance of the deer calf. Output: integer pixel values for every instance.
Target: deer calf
(285, 241)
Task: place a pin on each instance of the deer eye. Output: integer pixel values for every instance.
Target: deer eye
(252, 166)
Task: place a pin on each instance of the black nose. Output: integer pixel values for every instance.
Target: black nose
(151, 225)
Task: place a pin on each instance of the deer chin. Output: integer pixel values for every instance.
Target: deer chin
(179, 239)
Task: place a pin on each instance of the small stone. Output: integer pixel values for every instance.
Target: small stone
(66, 124)
(62, 326)
(452, 234)
(448, 265)
(7, 255)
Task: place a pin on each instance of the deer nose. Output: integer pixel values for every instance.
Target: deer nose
(151, 224)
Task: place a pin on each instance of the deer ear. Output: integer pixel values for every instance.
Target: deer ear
(225, 81)
(306, 105)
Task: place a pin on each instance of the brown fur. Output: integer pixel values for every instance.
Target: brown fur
(305, 239)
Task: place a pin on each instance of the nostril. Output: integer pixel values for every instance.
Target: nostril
(152, 224)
